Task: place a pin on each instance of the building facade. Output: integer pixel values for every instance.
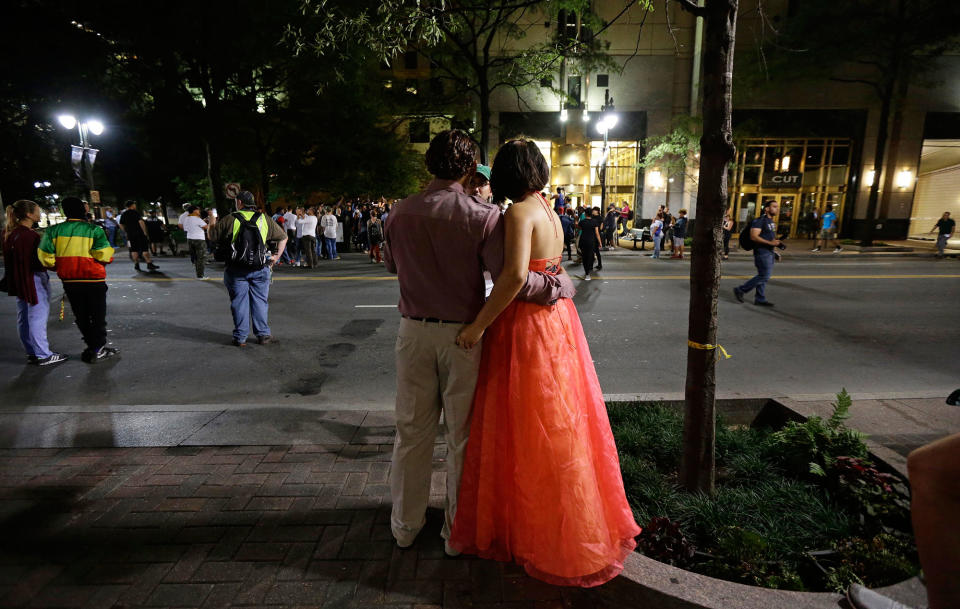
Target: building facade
(805, 143)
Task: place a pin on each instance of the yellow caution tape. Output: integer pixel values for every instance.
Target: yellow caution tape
(702, 347)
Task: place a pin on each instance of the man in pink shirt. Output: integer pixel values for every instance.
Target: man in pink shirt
(439, 242)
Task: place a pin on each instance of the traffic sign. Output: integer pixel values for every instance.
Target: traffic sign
(232, 190)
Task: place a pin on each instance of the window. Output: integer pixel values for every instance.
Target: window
(546, 82)
(603, 80)
(420, 132)
(410, 60)
(567, 25)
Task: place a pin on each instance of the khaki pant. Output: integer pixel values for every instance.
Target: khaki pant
(433, 375)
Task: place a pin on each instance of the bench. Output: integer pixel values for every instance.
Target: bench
(638, 234)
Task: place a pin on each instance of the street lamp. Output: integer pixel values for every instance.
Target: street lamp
(83, 156)
(607, 121)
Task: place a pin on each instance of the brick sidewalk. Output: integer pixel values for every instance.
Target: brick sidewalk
(304, 526)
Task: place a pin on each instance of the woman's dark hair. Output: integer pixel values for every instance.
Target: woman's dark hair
(518, 169)
(452, 155)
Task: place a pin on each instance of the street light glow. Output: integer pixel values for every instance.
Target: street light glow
(95, 126)
(67, 121)
(563, 115)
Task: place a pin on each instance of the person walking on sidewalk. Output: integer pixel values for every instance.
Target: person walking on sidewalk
(438, 242)
(727, 231)
(137, 241)
(196, 227)
(679, 234)
(828, 231)
(763, 233)
(28, 281)
(80, 251)
(946, 224)
(247, 274)
(656, 234)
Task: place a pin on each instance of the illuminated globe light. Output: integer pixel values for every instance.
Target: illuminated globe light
(95, 126)
(607, 122)
(67, 121)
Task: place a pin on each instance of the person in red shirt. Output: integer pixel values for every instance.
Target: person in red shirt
(27, 279)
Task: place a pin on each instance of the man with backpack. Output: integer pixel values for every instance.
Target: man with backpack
(241, 239)
(760, 236)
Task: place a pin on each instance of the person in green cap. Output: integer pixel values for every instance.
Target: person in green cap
(480, 183)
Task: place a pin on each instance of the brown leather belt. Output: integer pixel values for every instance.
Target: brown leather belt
(432, 320)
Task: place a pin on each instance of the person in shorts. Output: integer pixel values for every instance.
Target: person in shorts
(679, 234)
(137, 240)
(828, 231)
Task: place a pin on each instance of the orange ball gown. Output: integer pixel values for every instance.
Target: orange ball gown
(541, 483)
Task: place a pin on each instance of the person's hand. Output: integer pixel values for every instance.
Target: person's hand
(469, 336)
(776, 242)
(273, 259)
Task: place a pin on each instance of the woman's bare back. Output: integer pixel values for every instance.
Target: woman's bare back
(547, 237)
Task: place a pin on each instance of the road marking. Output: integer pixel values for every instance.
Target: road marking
(374, 306)
(598, 277)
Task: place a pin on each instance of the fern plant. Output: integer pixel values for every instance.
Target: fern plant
(812, 447)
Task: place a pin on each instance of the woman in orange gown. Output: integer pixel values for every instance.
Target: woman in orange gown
(541, 482)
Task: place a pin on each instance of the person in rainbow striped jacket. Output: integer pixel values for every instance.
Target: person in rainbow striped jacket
(79, 251)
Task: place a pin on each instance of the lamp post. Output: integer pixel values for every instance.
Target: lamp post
(82, 157)
(608, 120)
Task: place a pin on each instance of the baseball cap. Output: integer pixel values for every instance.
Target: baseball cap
(484, 171)
(246, 197)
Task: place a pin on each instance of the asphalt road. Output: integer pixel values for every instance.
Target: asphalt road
(874, 326)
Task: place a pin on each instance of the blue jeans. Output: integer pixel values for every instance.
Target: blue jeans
(32, 319)
(249, 290)
(331, 244)
(111, 235)
(763, 259)
(941, 244)
(656, 246)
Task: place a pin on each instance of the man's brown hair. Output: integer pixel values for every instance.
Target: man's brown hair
(452, 155)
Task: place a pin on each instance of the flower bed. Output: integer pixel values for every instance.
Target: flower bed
(799, 508)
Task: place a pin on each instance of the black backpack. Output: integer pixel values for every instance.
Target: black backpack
(746, 241)
(376, 233)
(247, 250)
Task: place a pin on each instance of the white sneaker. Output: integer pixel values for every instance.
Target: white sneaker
(587, 278)
(816, 249)
(838, 250)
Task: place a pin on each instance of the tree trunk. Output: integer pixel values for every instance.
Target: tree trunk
(716, 152)
(484, 120)
(215, 174)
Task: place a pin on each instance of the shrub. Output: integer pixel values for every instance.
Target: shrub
(811, 447)
(662, 540)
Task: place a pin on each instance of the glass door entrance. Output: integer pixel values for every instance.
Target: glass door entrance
(786, 218)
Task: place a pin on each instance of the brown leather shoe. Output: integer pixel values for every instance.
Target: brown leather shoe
(266, 338)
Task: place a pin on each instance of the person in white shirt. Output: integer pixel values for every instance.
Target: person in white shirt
(290, 225)
(306, 233)
(329, 225)
(196, 229)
